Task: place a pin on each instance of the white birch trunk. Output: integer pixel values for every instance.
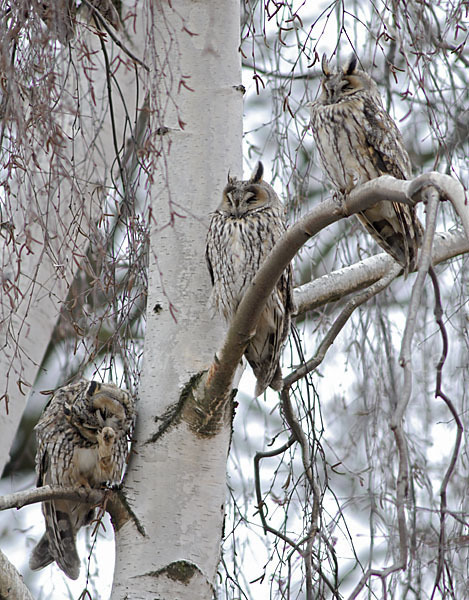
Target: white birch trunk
(176, 484)
(57, 201)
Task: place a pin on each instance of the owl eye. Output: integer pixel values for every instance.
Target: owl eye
(250, 197)
(89, 426)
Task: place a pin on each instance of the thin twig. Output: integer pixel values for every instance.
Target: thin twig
(438, 312)
(102, 21)
(299, 435)
(260, 502)
(339, 323)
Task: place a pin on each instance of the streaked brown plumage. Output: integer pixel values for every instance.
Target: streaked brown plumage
(242, 232)
(83, 440)
(358, 141)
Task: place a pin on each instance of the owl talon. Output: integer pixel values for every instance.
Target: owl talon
(339, 198)
(112, 486)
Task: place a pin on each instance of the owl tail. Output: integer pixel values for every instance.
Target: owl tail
(41, 555)
(275, 383)
(57, 544)
(63, 545)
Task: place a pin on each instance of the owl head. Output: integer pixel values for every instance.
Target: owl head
(345, 83)
(241, 198)
(100, 405)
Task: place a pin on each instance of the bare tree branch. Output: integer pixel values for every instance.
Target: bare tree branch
(52, 492)
(340, 321)
(336, 285)
(112, 500)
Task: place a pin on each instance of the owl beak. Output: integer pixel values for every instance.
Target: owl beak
(235, 211)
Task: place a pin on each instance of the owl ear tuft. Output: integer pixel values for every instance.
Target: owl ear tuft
(231, 178)
(325, 66)
(350, 65)
(257, 174)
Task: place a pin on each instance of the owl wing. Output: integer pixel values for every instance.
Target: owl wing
(265, 348)
(58, 542)
(53, 461)
(208, 248)
(396, 227)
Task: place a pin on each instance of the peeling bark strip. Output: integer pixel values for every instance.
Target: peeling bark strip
(204, 415)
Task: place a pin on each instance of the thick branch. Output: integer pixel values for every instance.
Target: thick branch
(242, 327)
(448, 188)
(11, 582)
(336, 285)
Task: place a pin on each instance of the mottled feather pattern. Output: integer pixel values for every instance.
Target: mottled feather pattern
(83, 440)
(358, 141)
(242, 233)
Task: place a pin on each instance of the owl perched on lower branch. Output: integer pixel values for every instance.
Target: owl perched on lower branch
(358, 141)
(242, 232)
(83, 440)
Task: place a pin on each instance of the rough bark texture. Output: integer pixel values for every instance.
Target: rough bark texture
(176, 485)
(11, 583)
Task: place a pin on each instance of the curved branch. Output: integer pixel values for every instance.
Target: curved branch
(243, 325)
(448, 188)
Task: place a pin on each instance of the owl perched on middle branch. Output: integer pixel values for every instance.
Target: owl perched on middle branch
(358, 141)
(83, 440)
(242, 232)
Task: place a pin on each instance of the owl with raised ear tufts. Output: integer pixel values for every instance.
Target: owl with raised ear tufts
(357, 141)
(83, 440)
(242, 232)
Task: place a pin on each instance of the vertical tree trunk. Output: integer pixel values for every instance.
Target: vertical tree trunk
(176, 483)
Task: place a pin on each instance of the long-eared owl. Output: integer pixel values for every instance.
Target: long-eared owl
(83, 440)
(358, 141)
(242, 232)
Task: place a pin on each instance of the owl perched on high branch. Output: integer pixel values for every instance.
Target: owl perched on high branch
(242, 232)
(358, 141)
(83, 440)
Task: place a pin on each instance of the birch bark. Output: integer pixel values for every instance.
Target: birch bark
(176, 484)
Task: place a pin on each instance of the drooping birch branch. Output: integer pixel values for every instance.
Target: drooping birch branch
(431, 196)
